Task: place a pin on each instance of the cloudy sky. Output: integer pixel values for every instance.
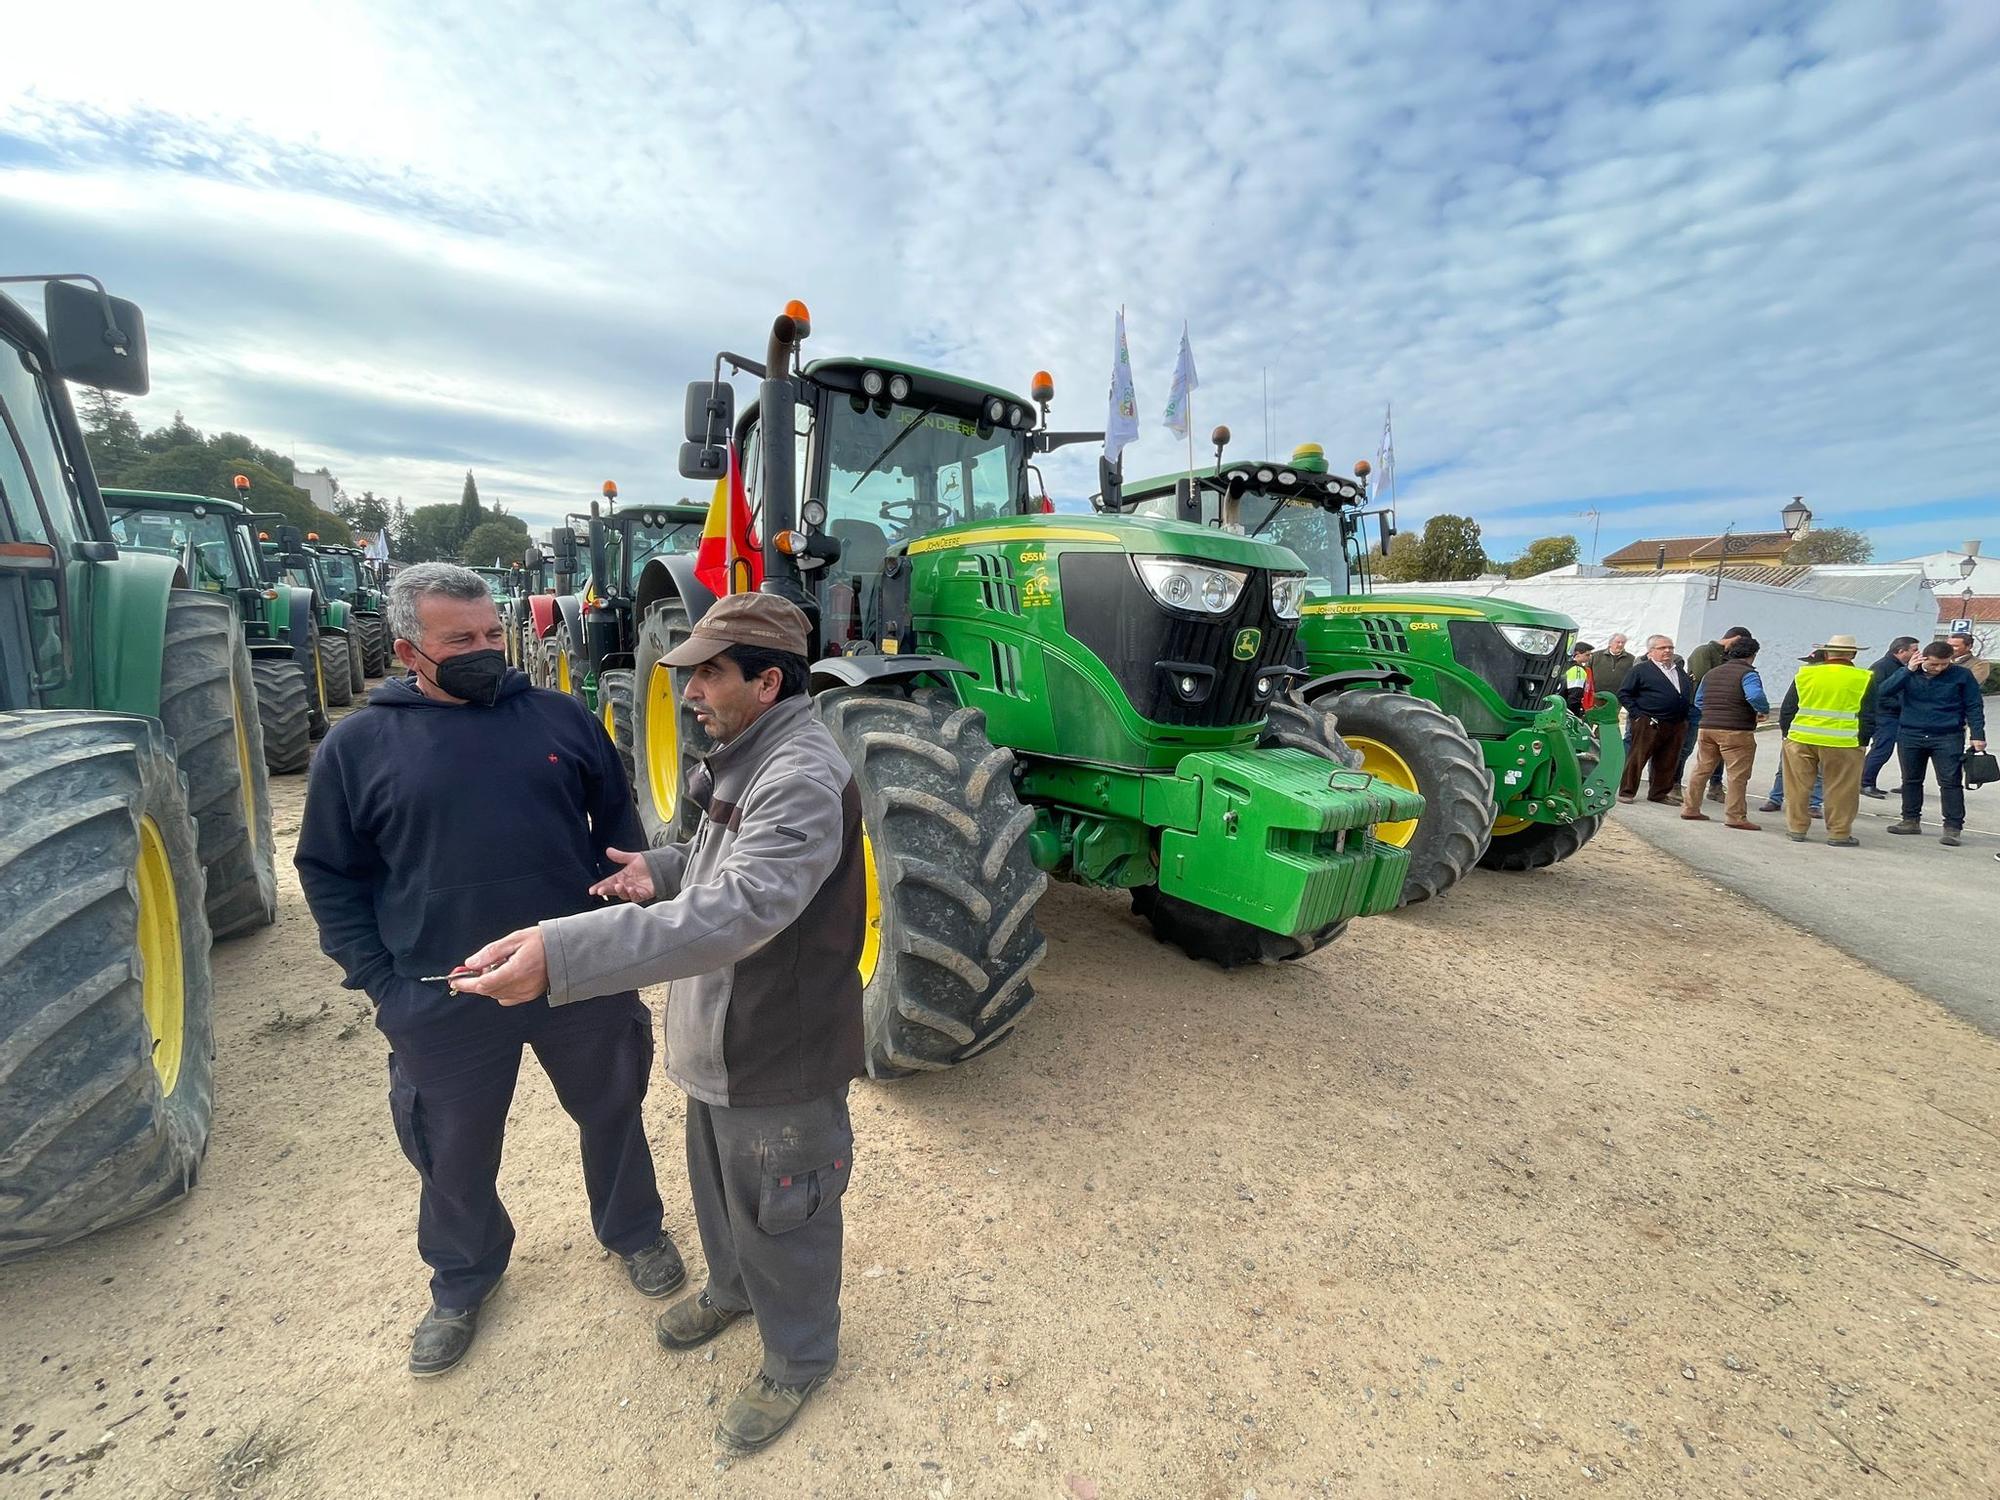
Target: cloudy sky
(1673, 263)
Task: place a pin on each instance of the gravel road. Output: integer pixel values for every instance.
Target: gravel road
(1594, 1177)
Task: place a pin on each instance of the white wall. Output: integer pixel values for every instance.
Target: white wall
(1787, 622)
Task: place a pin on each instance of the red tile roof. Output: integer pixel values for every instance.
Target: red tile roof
(1695, 548)
(1982, 609)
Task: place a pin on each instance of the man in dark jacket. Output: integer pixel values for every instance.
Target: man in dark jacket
(462, 803)
(1706, 658)
(1658, 696)
(1902, 652)
(1732, 702)
(1610, 667)
(1935, 703)
(758, 922)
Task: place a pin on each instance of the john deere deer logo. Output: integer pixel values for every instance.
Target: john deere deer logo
(1247, 642)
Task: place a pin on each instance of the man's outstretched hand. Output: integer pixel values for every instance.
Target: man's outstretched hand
(633, 882)
(517, 969)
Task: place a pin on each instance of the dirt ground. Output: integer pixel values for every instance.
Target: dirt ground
(1492, 1198)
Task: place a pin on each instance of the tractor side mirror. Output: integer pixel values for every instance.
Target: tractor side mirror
(1187, 502)
(1110, 484)
(95, 338)
(709, 417)
(1388, 526)
(562, 543)
(290, 539)
(532, 558)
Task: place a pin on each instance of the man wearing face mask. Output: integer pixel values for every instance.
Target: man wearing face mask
(462, 804)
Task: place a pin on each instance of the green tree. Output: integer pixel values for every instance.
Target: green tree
(469, 513)
(1404, 563)
(364, 512)
(111, 433)
(434, 533)
(1450, 550)
(1542, 555)
(1836, 544)
(502, 539)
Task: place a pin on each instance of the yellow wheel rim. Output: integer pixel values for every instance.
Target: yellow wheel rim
(319, 677)
(663, 742)
(161, 983)
(1379, 761)
(610, 720)
(243, 768)
(1504, 825)
(562, 672)
(871, 934)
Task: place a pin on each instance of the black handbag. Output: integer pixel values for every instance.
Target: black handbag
(1981, 767)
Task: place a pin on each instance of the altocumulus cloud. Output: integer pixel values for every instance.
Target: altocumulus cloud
(1675, 262)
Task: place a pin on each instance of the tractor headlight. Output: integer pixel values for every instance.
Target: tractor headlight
(1530, 640)
(1288, 592)
(1197, 586)
(872, 382)
(899, 387)
(813, 513)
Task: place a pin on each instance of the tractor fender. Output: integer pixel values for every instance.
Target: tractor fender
(671, 577)
(336, 616)
(570, 608)
(275, 650)
(871, 670)
(542, 612)
(1359, 677)
(128, 605)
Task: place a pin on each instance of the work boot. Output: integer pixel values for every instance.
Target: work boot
(761, 1411)
(1850, 842)
(1715, 794)
(692, 1322)
(1745, 824)
(1877, 793)
(1908, 825)
(1797, 838)
(1950, 838)
(657, 1270)
(1770, 807)
(1696, 817)
(442, 1339)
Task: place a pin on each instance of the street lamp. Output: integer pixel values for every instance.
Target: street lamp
(1966, 565)
(1796, 516)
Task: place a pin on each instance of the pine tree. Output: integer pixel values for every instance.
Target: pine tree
(469, 513)
(112, 435)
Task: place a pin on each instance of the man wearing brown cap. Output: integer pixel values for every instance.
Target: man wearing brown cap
(758, 923)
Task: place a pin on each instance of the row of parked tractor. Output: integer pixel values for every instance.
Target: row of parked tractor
(1190, 693)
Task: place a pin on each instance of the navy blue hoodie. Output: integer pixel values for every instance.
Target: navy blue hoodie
(433, 828)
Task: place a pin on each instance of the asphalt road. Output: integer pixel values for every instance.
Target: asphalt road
(1910, 907)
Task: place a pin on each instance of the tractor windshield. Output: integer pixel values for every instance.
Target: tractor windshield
(649, 542)
(343, 578)
(1313, 533)
(895, 472)
(169, 531)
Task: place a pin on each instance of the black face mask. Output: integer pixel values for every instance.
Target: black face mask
(474, 676)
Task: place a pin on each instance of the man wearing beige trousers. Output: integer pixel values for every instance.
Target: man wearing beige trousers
(1828, 715)
(1731, 702)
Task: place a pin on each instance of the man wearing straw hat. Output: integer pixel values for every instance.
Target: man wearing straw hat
(1831, 713)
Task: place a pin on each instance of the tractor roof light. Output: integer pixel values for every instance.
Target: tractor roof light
(813, 513)
(312, 536)
(872, 382)
(611, 489)
(242, 483)
(1042, 387)
(899, 387)
(995, 409)
(801, 317)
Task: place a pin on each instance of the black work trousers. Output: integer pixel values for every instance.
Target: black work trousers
(767, 1184)
(1944, 754)
(1656, 749)
(449, 1092)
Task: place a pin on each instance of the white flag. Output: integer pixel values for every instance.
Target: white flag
(1385, 459)
(378, 546)
(1185, 383)
(1121, 423)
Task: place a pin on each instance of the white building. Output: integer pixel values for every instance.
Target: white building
(319, 486)
(1789, 617)
(1943, 569)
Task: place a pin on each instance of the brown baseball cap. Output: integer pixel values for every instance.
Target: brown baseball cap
(761, 620)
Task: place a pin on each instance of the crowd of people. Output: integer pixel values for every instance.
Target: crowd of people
(1839, 724)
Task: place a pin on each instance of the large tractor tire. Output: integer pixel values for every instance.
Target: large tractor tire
(105, 1015)
(284, 712)
(1205, 934)
(357, 676)
(333, 670)
(1412, 743)
(614, 711)
(372, 631)
(1536, 846)
(951, 938)
(312, 664)
(208, 704)
(667, 739)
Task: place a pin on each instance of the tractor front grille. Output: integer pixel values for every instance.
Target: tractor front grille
(1149, 648)
(1523, 681)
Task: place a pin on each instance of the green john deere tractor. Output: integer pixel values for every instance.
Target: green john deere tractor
(125, 711)
(1022, 695)
(350, 581)
(216, 542)
(337, 662)
(551, 647)
(1457, 697)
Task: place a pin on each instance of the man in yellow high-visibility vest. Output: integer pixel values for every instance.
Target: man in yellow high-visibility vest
(1828, 716)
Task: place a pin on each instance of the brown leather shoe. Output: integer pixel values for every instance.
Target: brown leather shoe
(1697, 817)
(1746, 827)
(761, 1412)
(692, 1322)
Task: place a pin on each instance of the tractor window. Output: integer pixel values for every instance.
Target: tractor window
(169, 532)
(908, 470)
(343, 579)
(1306, 528)
(31, 448)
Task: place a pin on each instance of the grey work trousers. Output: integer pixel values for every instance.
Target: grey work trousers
(767, 1185)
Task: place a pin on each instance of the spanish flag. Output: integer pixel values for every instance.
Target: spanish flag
(729, 511)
